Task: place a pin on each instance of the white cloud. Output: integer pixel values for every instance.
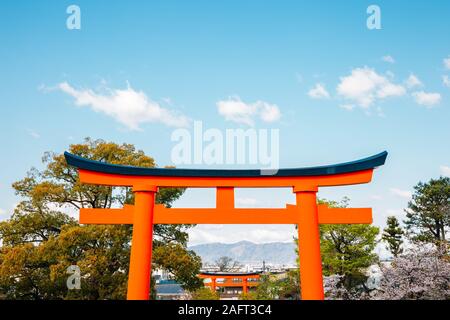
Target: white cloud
(446, 81)
(234, 109)
(127, 106)
(2, 211)
(246, 202)
(401, 193)
(390, 89)
(263, 235)
(447, 63)
(364, 87)
(400, 214)
(388, 59)
(230, 234)
(268, 112)
(445, 170)
(33, 134)
(394, 212)
(413, 81)
(196, 236)
(348, 107)
(376, 197)
(319, 92)
(427, 99)
(67, 209)
(212, 226)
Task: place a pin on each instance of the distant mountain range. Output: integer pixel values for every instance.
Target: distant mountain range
(246, 252)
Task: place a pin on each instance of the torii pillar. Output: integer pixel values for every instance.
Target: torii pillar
(309, 244)
(139, 276)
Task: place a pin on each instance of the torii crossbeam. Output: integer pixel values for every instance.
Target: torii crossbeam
(306, 213)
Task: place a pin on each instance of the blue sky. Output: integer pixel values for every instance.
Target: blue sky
(342, 91)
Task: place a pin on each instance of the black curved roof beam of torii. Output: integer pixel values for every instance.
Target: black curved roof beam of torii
(347, 167)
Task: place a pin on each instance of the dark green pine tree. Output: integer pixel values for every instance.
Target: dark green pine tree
(393, 235)
(428, 213)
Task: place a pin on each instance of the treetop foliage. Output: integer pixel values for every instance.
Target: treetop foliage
(41, 240)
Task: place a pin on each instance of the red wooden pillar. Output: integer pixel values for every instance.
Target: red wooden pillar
(141, 243)
(309, 244)
(245, 287)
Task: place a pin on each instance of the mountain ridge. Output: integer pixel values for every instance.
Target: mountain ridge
(247, 252)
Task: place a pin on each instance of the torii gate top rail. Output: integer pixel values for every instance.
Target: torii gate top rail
(346, 167)
(306, 214)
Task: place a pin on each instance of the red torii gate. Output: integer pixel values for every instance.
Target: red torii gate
(306, 214)
(229, 278)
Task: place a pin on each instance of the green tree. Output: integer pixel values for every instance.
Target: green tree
(428, 213)
(204, 294)
(267, 288)
(250, 295)
(290, 286)
(347, 249)
(273, 287)
(183, 263)
(40, 240)
(226, 264)
(393, 235)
